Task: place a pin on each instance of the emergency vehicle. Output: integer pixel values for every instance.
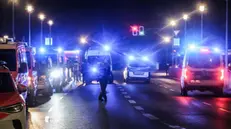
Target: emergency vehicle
(203, 69)
(138, 68)
(93, 57)
(33, 78)
(14, 54)
(13, 105)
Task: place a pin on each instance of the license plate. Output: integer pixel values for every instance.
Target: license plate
(139, 73)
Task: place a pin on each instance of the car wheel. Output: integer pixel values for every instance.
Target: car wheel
(184, 92)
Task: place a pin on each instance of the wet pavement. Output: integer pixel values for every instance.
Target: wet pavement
(132, 106)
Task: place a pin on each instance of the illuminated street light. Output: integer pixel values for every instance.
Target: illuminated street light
(83, 40)
(42, 17)
(201, 8)
(173, 23)
(29, 9)
(166, 39)
(50, 23)
(185, 17)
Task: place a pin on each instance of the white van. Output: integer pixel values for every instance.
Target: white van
(202, 70)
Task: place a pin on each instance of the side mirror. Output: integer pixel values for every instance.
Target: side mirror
(21, 88)
(23, 68)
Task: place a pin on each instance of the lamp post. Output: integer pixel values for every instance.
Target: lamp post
(226, 41)
(42, 18)
(83, 40)
(50, 23)
(13, 16)
(30, 10)
(185, 17)
(202, 9)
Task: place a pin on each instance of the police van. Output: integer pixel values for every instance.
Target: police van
(93, 57)
(203, 70)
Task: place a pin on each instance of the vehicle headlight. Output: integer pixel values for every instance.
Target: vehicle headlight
(131, 57)
(56, 74)
(145, 58)
(13, 108)
(94, 69)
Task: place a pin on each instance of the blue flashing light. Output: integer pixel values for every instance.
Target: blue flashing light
(131, 57)
(216, 49)
(60, 50)
(145, 58)
(192, 46)
(107, 47)
(94, 69)
(42, 50)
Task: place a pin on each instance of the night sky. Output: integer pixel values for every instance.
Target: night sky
(73, 18)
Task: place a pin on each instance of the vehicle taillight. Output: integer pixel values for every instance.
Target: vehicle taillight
(222, 74)
(185, 73)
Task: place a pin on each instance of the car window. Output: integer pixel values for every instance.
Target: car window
(6, 83)
(204, 60)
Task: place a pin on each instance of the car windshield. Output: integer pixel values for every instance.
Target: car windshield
(28, 59)
(6, 83)
(138, 64)
(9, 56)
(97, 59)
(204, 60)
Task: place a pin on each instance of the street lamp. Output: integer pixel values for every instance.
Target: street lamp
(42, 18)
(173, 23)
(29, 9)
(202, 9)
(50, 23)
(13, 22)
(83, 40)
(166, 39)
(185, 17)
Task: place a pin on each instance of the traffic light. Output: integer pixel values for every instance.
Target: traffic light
(137, 30)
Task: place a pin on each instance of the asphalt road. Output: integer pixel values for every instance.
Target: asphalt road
(132, 106)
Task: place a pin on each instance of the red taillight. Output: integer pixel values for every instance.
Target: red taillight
(222, 74)
(185, 73)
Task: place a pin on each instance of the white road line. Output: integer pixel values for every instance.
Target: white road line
(138, 108)
(47, 119)
(150, 116)
(121, 89)
(171, 90)
(50, 109)
(222, 109)
(132, 101)
(208, 104)
(61, 98)
(127, 96)
(124, 93)
(175, 127)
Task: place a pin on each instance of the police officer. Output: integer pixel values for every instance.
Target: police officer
(103, 80)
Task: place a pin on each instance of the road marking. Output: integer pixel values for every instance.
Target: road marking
(150, 116)
(171, 89)
(50, 109)
(127, 96)
(61, 98)
(138, 108)
(208, 104)
(175, 127)
(47, 119)
(222, 109)
(124, 93)
(121, 89)
(132, 101)
(165, 87)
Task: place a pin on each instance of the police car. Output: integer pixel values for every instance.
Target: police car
(12, 102)
(138, 68)
(203, 70)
